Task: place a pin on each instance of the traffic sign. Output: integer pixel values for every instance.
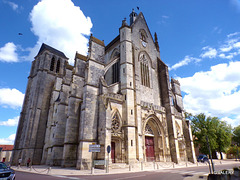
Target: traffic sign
(94, 148)
(108, 148)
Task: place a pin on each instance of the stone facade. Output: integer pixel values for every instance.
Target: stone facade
(118, 95)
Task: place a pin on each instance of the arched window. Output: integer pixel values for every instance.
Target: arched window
(116, 123)
(145, 79)
(143, 37)
(58, 66)
(115, 76)
(115, 67)
(52, 64)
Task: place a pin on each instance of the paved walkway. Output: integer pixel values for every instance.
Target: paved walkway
(58, 171)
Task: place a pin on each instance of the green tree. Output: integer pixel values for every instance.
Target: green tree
(223, 133)
(236, 135)
(218, 133)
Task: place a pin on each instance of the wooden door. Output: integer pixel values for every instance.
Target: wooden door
(113, 152)
(149, 143)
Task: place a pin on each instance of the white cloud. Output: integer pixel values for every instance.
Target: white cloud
(226, 48)
(215, 92)
(184, 62)
(236, 45)
(223, 56)
(9, 140)
(62, 25)
(10, 122)
(233, 121)
(11, 98)
(233, 34)
(209, 52)
(231, 47)
(8, 53)
(13, 5)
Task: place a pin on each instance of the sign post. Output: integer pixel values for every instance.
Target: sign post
(94, 148)
(108, 151)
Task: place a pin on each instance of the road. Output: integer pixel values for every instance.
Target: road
(163, 174)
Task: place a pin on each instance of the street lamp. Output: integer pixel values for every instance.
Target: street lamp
(237, 155)
(209, 149)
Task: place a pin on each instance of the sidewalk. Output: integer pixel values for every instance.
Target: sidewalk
(55, 170)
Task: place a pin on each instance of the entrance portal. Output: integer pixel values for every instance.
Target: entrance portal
(149, 143)
(113, 152)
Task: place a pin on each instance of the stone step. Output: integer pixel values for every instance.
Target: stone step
(118, 165)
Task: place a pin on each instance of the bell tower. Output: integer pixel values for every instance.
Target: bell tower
(48, 64)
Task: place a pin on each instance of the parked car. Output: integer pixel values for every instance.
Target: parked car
(202, 158)
(6, 172)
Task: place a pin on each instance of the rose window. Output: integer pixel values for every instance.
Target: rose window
(115, 123)
(148, 130)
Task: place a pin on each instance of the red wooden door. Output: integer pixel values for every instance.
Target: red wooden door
(149, 143)
(113, 152)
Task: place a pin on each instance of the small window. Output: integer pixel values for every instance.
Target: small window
(58, 66)
(52, 64)
(143, 37)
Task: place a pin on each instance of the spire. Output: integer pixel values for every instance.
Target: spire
(156, 41)
(124, 22)
(133, 16)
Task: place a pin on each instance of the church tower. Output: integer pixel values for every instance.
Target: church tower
(47, 66)
(127, 88)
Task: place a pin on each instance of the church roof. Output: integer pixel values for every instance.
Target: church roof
(96, 40)
(80, 56)
(52, 50)
(112, 42)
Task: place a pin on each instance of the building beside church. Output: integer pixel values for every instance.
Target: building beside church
(5, 153)
(118, 95)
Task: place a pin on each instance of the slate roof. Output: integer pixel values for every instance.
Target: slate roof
(6, 147)
(112, 42)
(52, 50)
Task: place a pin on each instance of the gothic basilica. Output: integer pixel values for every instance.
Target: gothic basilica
(119, 95)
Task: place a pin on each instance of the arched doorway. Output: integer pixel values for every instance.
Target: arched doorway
(116, 138)
(149, 143)
(154, 142)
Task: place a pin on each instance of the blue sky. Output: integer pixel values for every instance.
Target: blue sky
(199, 40)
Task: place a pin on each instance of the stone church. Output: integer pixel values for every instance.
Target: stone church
(119, 95)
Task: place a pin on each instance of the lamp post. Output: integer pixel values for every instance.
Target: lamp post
(237, 155)
(209, 149)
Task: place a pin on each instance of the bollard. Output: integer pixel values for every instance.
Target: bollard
(49, 170)
(197, 163)
(220, 162)
(107, 170)
(173, 165)
(141, 165)
(130, 167)
(153, 164)
(18, 166)
(157, 166)
(30, 168)
(186, 164)
(92, 170)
